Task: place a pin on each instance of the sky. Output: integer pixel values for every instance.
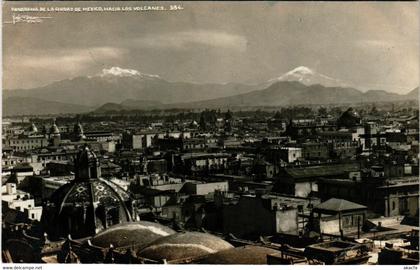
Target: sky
(368, 45)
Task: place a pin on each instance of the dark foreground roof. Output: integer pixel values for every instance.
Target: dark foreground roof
(135, 234)
(338, 205)
(182, 246)
(239, 255)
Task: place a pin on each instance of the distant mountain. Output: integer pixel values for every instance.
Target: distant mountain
(413, 94)
(128, 105)
(308, 77)
(14, 106)
(117, 89)
(141, 104)
(381, 95)
(284, 93)
(117, 84)
(110, 107)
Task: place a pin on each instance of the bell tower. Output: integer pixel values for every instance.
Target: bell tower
(55, 136)
(87, 165)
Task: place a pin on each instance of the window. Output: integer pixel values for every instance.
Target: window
(393, 206)
(33, 216)
(112, 216)
(347, 221)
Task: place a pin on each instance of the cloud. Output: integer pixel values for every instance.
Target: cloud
(184, 39)
(40, 67)
(379, 44)
(374, 44)
(66, 60)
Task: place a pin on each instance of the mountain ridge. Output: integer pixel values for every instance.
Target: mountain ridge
(97, 90)
(129, 89)
(285, 93)
(13, 106)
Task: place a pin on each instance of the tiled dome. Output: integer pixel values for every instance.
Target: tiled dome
(239, 255)
(87, 205)
(134, 234)
(183, 246)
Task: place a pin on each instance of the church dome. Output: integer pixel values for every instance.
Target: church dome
(349, 118)
(32, 129)
(87, 205)
(78, 131)
(137, 234)
(54, 129)
(183, 246)
(238, 255)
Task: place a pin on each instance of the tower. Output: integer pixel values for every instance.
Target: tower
(87, 165)
(55, 136)
(78, 132)
(32, 130)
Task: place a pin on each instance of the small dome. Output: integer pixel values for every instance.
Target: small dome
(194, 124)
(183, 246)
(78, 128)
(138, 234)
(32, 129)
(349, 118)
(54, 129)
(239, 255)
(78, 131)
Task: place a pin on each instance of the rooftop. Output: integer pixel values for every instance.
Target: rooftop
(339, 205)
(321, 170)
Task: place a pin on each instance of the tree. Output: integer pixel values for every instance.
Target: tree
(322, 112)
(228, 115)
(277, 115)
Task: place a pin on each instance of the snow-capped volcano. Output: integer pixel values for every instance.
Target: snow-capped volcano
(122, 72)
(308, 76)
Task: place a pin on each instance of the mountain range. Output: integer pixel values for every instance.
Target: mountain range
(117, 89)
(117, 85)
(35, 106)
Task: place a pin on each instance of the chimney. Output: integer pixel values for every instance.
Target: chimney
(11, 188)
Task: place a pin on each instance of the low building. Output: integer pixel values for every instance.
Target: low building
(201, 163)
(45, 156)
(399, 196)
(302, 181)
(195, 188)
(253, 215)
(20, 172)
(101, 136)
(315, 151)
(25, 142)
(291, 154)
(16, 199)
(338, 217)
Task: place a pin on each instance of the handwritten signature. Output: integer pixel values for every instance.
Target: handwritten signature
(22, 18)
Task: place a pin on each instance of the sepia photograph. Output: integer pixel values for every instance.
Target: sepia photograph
(210, 133)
